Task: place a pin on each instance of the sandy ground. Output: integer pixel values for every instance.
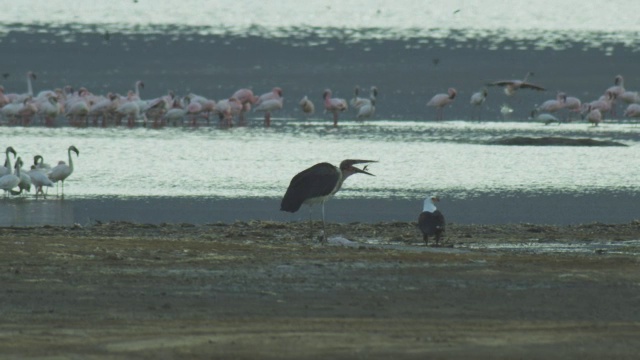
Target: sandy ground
(266, 290)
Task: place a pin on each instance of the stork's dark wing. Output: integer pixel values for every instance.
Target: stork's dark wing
(318, 180)
(532, 86)
(431, 223)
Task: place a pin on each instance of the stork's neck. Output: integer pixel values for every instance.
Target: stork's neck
(428, 205)
(342, 176)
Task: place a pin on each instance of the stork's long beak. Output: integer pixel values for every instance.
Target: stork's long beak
(357, 170)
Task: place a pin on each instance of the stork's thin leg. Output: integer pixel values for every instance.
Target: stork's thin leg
(324, 236)
(310, 225)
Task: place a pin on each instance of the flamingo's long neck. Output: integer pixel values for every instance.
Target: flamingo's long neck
(70, 161)
(29, 87)
(7, 162)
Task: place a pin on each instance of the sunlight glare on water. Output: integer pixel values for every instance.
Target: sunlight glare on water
(414, 158)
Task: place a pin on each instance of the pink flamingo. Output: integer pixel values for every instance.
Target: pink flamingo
(477, 100)
(22, 97)
(268, 102)
(511, 86)
(630, 97)
(49, 109)
(616, 90)
(268, 106)
(194, 108)
(307, 106)
(439, 101)
(632, 111)
(603, 104)
(334, 105)
(246, 98)
(4, 100)
(573, 105)
(553, 105)
(594, 116)
(366, 107)
(175, 114)
(227, 109)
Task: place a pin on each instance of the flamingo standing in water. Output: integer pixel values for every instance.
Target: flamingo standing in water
(62, 171)
(246, 98)
(307, 106)
(22, 97)
(511, 86)
(227, 109)
(603, 104)
(6, 169)
(439, 101)
(39, 179)
(632, 111)
(269, 102)
(4, 100)
(477, 100)
(573, 105)
(334, 105)
(366, 107)
(551, 106)
(616, 90)
(11, 180)
(594, 116)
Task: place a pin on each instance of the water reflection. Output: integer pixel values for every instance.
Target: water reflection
(25, 212)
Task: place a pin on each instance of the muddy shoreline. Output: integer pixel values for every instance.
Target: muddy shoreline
(263, 289)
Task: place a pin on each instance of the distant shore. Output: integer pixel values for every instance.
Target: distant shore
(553, 209)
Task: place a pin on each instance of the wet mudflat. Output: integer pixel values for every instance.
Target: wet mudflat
(266, 290)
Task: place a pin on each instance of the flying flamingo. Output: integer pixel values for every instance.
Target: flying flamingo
(439, 101)
(62, 171)
(477, 99)
(307, 106)
(334, 105)
(511, 86)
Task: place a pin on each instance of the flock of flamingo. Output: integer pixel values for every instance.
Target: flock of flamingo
(83, 108)
(40, 174)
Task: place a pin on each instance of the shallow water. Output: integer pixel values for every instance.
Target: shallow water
(414, 158)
